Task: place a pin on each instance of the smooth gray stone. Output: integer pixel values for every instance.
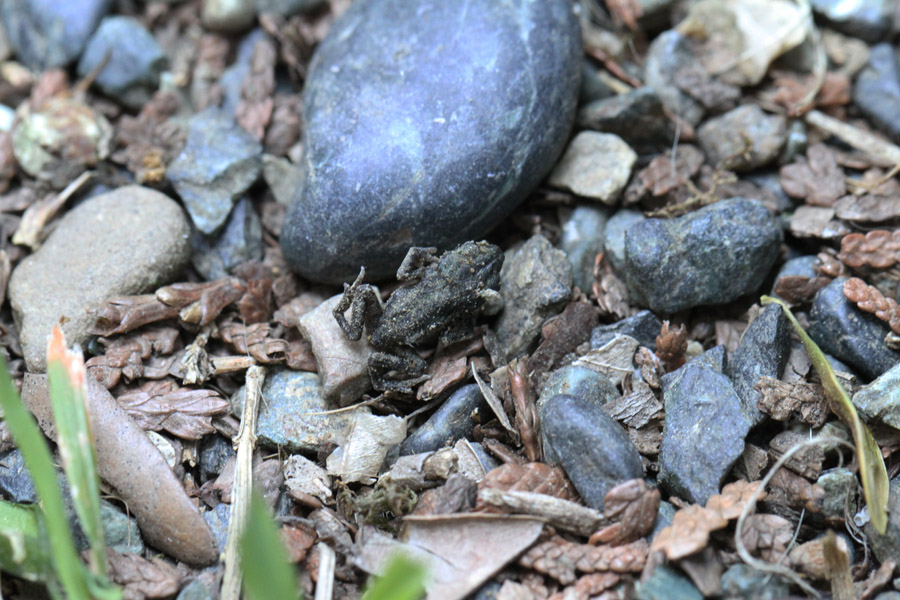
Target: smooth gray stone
(848, 333)
(840, 493)
(426, 125)
(218, 520)
(195, 590)
(45, 34)
(16, 484)
(536, 283)
(643, 326)
(218, 163)
(704, 429)
(239, 241)
(136, 60)
(725, 138)
(120, 531)
(591, 446)
(665, 583)
(869, 20)
(762, 352)
(743, 582)
(614, 236)
(711, 256)
(578, 381)
(215, 451)
(880, 400)
(877, 89)
(802, 266)
(668, 53)
(452, 421)
(636, 116)
(582, 239)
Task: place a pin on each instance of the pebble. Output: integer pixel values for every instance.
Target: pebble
(668, 53)
(877, 89)
(220, 161)
(614, 236)
(578, 381)
(849, 334)
(704, 428)
(637, 117)
(840, 493)
(283, 422)
(218, 520)
(743, 139)
(289, 8)
(46, 34)
(866, 19)
(215, 451)
(536, 283)
(452, 421)
(110, 245)
(762, 352)
(664, 517)
(880, 400)
(426, 125)
(591, 446)
(665, 583)
(342, 364)
(887, 545)
(802, 266)
(121, 531)
(228, 16)
(582, 239)
(135, 62)
(239, 241)
(643, 326)
(232, 79)
(195, 590)
(711, 256)
(16, 484)
(593, 86)
(596, 166)
(743, 582)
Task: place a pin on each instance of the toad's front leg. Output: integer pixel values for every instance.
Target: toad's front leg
(366, 308)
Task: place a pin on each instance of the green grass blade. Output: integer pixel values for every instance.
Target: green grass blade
(403, 579)
(67, 564)
(868, 454)
(266, 570)
(22, 551)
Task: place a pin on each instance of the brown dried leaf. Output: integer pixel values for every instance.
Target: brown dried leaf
(817, 178)
(254, 111)
(634, 506)
(661, 176)
(529, 477)
(786, 488)
(871, 300)
(809, 558)
(781, 400)
(256, 306)
(587, 587)
(201, 302)
(162, 406)
(797, 289)
(149, 142)
(448, 368)
(734, 497)
(143, 578)
(560, 336)
(767, 536)
(527, 423)
(828, 264)
(876, 580)
(610, 291)
(635, 409)
(254, 340)
(867, 208)
(879, 249)
(560, 558)
(121, 315)
(671, 344)
(806, 462)
(817, 222)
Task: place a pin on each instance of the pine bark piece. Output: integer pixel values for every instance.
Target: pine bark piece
(561, 559)
(806, 462)
(869, 299)
(782, 401)
(789, 489)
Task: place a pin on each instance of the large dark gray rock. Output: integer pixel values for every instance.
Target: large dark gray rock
(849, 334)
(763, 352)
(711, 256)
(877, 89)
(452, 421)
(45, 34)
(426, 125)
(135, 62)
(704, 429)
(591, 446)
(866, 19)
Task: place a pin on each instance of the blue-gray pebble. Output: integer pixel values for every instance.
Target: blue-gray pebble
(135, 62)
(851, 335)
(877, 89)
(591, 446)
(426, 125)
(450, 422)
(711, 256)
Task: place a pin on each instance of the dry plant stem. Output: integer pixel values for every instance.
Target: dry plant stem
(325, 580)
(838, 563)
(231, 364)
(562, 514)
(494, 402)
(38, 214)
(244, 443)
(855, 137)
(750, 507)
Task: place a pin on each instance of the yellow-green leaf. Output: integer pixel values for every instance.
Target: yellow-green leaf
(868, 454)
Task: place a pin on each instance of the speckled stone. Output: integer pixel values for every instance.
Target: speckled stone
(578, 381)
(880, 400)
(851, 335)
(877, 89)
(643, 326)
(869, 20)
(426, 125)
(725, 139)
(614, 236)
(711, 256)
(596, 166)
(636, 116)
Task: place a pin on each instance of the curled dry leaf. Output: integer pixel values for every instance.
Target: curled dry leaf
(786, 488)
(254, 340)
(561, 559)
(527, 422)
(162, 406)
(818, 179)
(797, 289)
(561, 335)
(829, 266)
(256, 305)
(121, 315)
(530, 477)
(868, 208)
(143, 578)
(201, 303)
(671, 344)
(879, 249)
(125, 355)
(871, 300)
(781, 401)
(610, 291)
(664, 174)
(767, 536)
(633, 506)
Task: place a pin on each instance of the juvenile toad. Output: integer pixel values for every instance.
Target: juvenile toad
(442, 303)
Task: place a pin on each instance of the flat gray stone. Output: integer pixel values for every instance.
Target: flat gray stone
(880, 400)
(129, 241)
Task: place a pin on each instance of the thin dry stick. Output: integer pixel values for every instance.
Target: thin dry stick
(325, 580)
(762, 565)
(244, 443)
(38, 214)
(855, 137)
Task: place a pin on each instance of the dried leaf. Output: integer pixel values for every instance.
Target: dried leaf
(256, 306)
(806, 462)
(817, 222)
(663, 175)
(767, 536)
(671, 344)
(448, 368)
(561, 559)
(786, 488)
(564, 515)
(162, 406)
(254, 110)
(868, 454)
(879, 249)
(797, 289)
(201, 303)
(809, 558)
(610, 291)
(587, 587)
(535, 477)
(614, 359)
(254, 340)
(561, 335)
(869, 299)
(635, 409)
(634, 507)
(143, 578)
(877, 580)
(868, 208)
(121, 315)
(527, 422)
(818, 179)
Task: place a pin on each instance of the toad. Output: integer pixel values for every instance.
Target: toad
(441, 302)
